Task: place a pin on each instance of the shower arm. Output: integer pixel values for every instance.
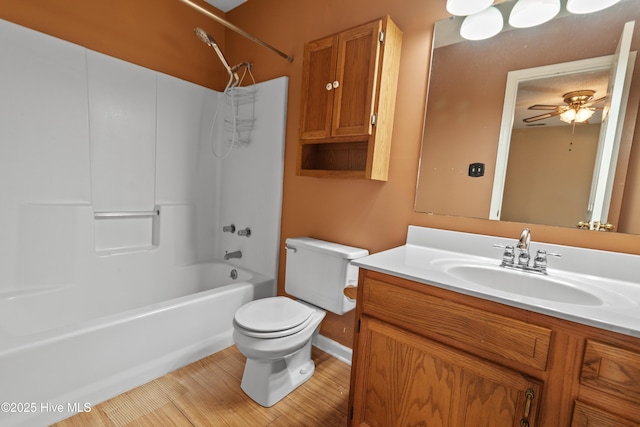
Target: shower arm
(232, 71)
(236, 29)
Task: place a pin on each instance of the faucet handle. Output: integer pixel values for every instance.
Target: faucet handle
(540, 261)
(508, 255)
(544, 254)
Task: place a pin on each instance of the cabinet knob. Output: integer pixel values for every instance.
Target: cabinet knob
(329, 86)
(336, 84)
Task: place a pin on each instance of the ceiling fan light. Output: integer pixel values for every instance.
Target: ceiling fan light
(589, 6)
(568, 116)
(584, 114)
(467, 7)
(529, 13)
(482, 25)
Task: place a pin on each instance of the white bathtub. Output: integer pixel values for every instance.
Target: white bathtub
(64, 354)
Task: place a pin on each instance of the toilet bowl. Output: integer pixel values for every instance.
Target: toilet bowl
(275, 334)
(279, 355)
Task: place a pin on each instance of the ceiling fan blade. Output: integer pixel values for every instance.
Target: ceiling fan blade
(595, 101)
(542, 116)
(545, 107)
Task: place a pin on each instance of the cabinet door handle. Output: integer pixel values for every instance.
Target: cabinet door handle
(336, 84)
(329, 86)
(524, 422)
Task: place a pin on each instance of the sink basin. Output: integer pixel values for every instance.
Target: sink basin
(524, 283)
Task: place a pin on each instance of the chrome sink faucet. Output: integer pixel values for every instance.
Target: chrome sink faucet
(523, 246)
(522, 263)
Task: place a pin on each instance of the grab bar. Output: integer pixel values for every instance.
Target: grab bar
(125, 214)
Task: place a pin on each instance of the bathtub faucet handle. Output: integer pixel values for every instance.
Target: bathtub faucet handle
(229, 229)
(245, 232)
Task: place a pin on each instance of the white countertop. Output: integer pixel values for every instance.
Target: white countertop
(612, 277)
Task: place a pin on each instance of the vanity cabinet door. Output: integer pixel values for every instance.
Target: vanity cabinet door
(404, 379)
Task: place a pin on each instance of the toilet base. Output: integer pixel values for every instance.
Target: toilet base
(267, 382)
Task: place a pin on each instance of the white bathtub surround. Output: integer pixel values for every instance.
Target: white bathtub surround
(609, 279)
(83, 298)
(122, 132)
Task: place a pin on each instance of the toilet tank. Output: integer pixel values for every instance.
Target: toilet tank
(318, 271)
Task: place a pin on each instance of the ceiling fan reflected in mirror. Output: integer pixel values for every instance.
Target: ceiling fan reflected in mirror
(578, 109)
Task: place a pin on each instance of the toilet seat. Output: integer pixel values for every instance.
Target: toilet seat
(273, 317)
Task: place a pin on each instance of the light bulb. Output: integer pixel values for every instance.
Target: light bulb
(467, 7)
(482, 25)
(529, 13)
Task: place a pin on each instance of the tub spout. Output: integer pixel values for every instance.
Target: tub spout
(229, 255)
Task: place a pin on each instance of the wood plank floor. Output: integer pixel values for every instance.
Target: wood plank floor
(207, 393)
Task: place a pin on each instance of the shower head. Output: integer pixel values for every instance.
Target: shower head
(210, 41)
(205, 37)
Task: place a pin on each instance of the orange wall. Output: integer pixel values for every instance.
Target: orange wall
(158, 34)
(372, 215)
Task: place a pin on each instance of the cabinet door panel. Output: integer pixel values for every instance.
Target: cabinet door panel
(317, 99)
(587, 416)
(405, 379)
(357, 66)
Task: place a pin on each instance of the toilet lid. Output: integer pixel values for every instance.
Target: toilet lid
(272, 314)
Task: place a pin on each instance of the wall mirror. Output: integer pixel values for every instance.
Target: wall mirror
(481, 159)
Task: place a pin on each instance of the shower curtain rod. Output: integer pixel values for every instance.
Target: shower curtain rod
(236, 29)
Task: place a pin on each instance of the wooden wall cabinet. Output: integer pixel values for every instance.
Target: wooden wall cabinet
(349, 88)
(428, 356)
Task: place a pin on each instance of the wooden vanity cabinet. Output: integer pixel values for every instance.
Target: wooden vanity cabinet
(348, 102)
(428, 356)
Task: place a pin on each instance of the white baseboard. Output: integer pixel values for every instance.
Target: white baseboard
(334, 348)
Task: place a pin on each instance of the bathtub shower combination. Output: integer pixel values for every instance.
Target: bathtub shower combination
(57, 372)
(113, 270)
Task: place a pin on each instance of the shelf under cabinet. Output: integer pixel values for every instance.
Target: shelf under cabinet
(331, 158)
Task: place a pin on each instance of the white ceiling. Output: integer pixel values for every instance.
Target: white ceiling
(225, 5)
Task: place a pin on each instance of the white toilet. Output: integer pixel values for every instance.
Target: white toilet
(275, 333)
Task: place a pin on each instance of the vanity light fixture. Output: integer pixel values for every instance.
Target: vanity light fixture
(529, 13)
(467, 7)
(589, 6)
(482, 25)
